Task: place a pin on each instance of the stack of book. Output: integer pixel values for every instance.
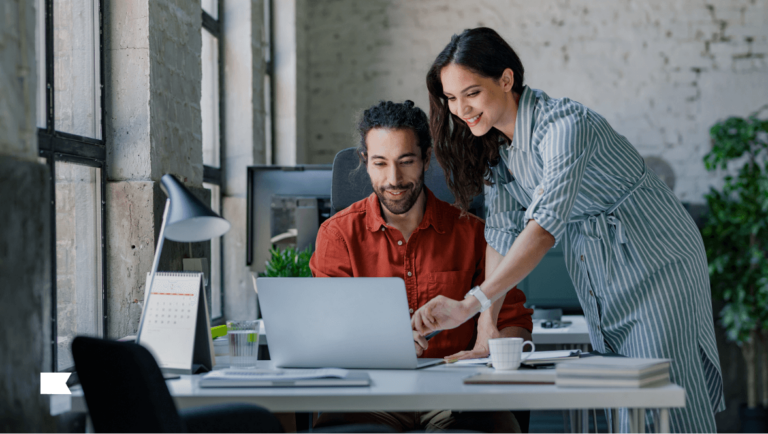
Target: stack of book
(612, 372)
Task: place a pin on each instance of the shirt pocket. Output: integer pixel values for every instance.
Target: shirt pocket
(451, 284)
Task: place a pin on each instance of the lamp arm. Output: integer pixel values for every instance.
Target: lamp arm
(155, 263)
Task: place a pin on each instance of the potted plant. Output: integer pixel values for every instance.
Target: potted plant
(288, 263)
(736, 239)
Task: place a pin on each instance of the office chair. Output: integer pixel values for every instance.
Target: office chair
(349, 185)
(125, 392)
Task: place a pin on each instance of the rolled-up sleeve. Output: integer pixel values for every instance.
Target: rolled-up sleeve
(504, 220)
(331, 257)
(565, 151)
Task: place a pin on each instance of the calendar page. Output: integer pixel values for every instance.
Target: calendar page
(171, 318)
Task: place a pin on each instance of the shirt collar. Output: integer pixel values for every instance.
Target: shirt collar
(432, 216)
(524, 120)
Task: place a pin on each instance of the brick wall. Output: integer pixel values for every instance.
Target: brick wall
(662, 72)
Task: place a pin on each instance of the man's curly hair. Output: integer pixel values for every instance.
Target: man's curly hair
(395, 116)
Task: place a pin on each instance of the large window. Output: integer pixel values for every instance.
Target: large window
(69, 52)
(210, 110)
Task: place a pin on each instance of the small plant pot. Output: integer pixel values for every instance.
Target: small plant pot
(752, 419)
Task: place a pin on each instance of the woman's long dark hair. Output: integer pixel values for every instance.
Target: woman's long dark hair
(467, 159)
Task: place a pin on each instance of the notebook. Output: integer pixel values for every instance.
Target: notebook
(613, 372)
(519, 376)
(628, 367)
(284, 378)
(654, 380)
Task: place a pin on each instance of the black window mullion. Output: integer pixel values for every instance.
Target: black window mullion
(212, 175)
(49, 123)
(86, 151)
(211, 24)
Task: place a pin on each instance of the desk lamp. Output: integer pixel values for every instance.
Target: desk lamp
(186, 219)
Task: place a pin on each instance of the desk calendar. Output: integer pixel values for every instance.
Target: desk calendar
(177, 329)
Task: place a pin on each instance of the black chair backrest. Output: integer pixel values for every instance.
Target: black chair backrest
(124, 388)
(349, 185)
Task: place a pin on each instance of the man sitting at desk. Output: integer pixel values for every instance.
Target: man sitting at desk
(403, 230)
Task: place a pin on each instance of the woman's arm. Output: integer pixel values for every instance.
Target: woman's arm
(524, 255)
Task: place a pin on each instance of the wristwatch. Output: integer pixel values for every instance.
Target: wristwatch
(485, 302)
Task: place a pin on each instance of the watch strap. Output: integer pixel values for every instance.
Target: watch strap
(478, 293)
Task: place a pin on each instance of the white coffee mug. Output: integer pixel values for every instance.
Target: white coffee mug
(506, 353)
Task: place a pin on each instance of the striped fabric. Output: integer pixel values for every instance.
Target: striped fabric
(640, 270)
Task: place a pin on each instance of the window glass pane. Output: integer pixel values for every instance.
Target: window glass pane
(212, 7)
(215, 278)
(40, 59)
(77, 94)
(209, 104)
(78, 256)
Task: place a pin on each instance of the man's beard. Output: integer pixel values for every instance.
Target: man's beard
(408, 197)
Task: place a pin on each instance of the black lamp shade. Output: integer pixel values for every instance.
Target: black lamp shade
(189, 219)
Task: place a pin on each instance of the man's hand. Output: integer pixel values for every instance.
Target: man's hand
(485, 331)
(420, 343)
(443, 313)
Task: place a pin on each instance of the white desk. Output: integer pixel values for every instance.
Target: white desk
(438, 387)
(575, 334)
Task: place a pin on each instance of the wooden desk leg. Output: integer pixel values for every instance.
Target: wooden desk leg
(664, 423)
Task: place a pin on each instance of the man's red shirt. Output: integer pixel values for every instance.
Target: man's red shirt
(445, 256)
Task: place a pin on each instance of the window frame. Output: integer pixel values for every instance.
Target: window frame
(214, 175)
(56, 146)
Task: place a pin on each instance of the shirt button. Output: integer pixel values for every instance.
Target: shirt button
(582, 258)
(383, 229)
(399, 243)
(591, 293)
(410, 310)
(410, 274)
(541, 191)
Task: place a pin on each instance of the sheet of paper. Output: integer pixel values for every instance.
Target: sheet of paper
(538, 355)
(275, 374)
(483, 361)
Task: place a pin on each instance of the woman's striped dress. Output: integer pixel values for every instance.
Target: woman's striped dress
(640, 270)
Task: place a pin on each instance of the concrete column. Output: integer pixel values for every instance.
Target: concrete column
(153, 127)
(25, 249)
(290, 81)
(243, 142)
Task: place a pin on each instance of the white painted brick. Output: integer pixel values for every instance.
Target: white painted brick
(631, 61)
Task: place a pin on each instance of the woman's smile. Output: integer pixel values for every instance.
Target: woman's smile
(473, 121)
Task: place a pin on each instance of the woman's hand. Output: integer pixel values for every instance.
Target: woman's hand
(443, 313)
(420, 343)
(485, 331)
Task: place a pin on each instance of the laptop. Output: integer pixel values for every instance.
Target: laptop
(344, 322)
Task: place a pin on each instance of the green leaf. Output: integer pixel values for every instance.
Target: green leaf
(735, 232)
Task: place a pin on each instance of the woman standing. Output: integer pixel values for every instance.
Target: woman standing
(553, 171)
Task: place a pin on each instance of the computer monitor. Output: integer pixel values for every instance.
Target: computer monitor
(549, 285)
(285, 203)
